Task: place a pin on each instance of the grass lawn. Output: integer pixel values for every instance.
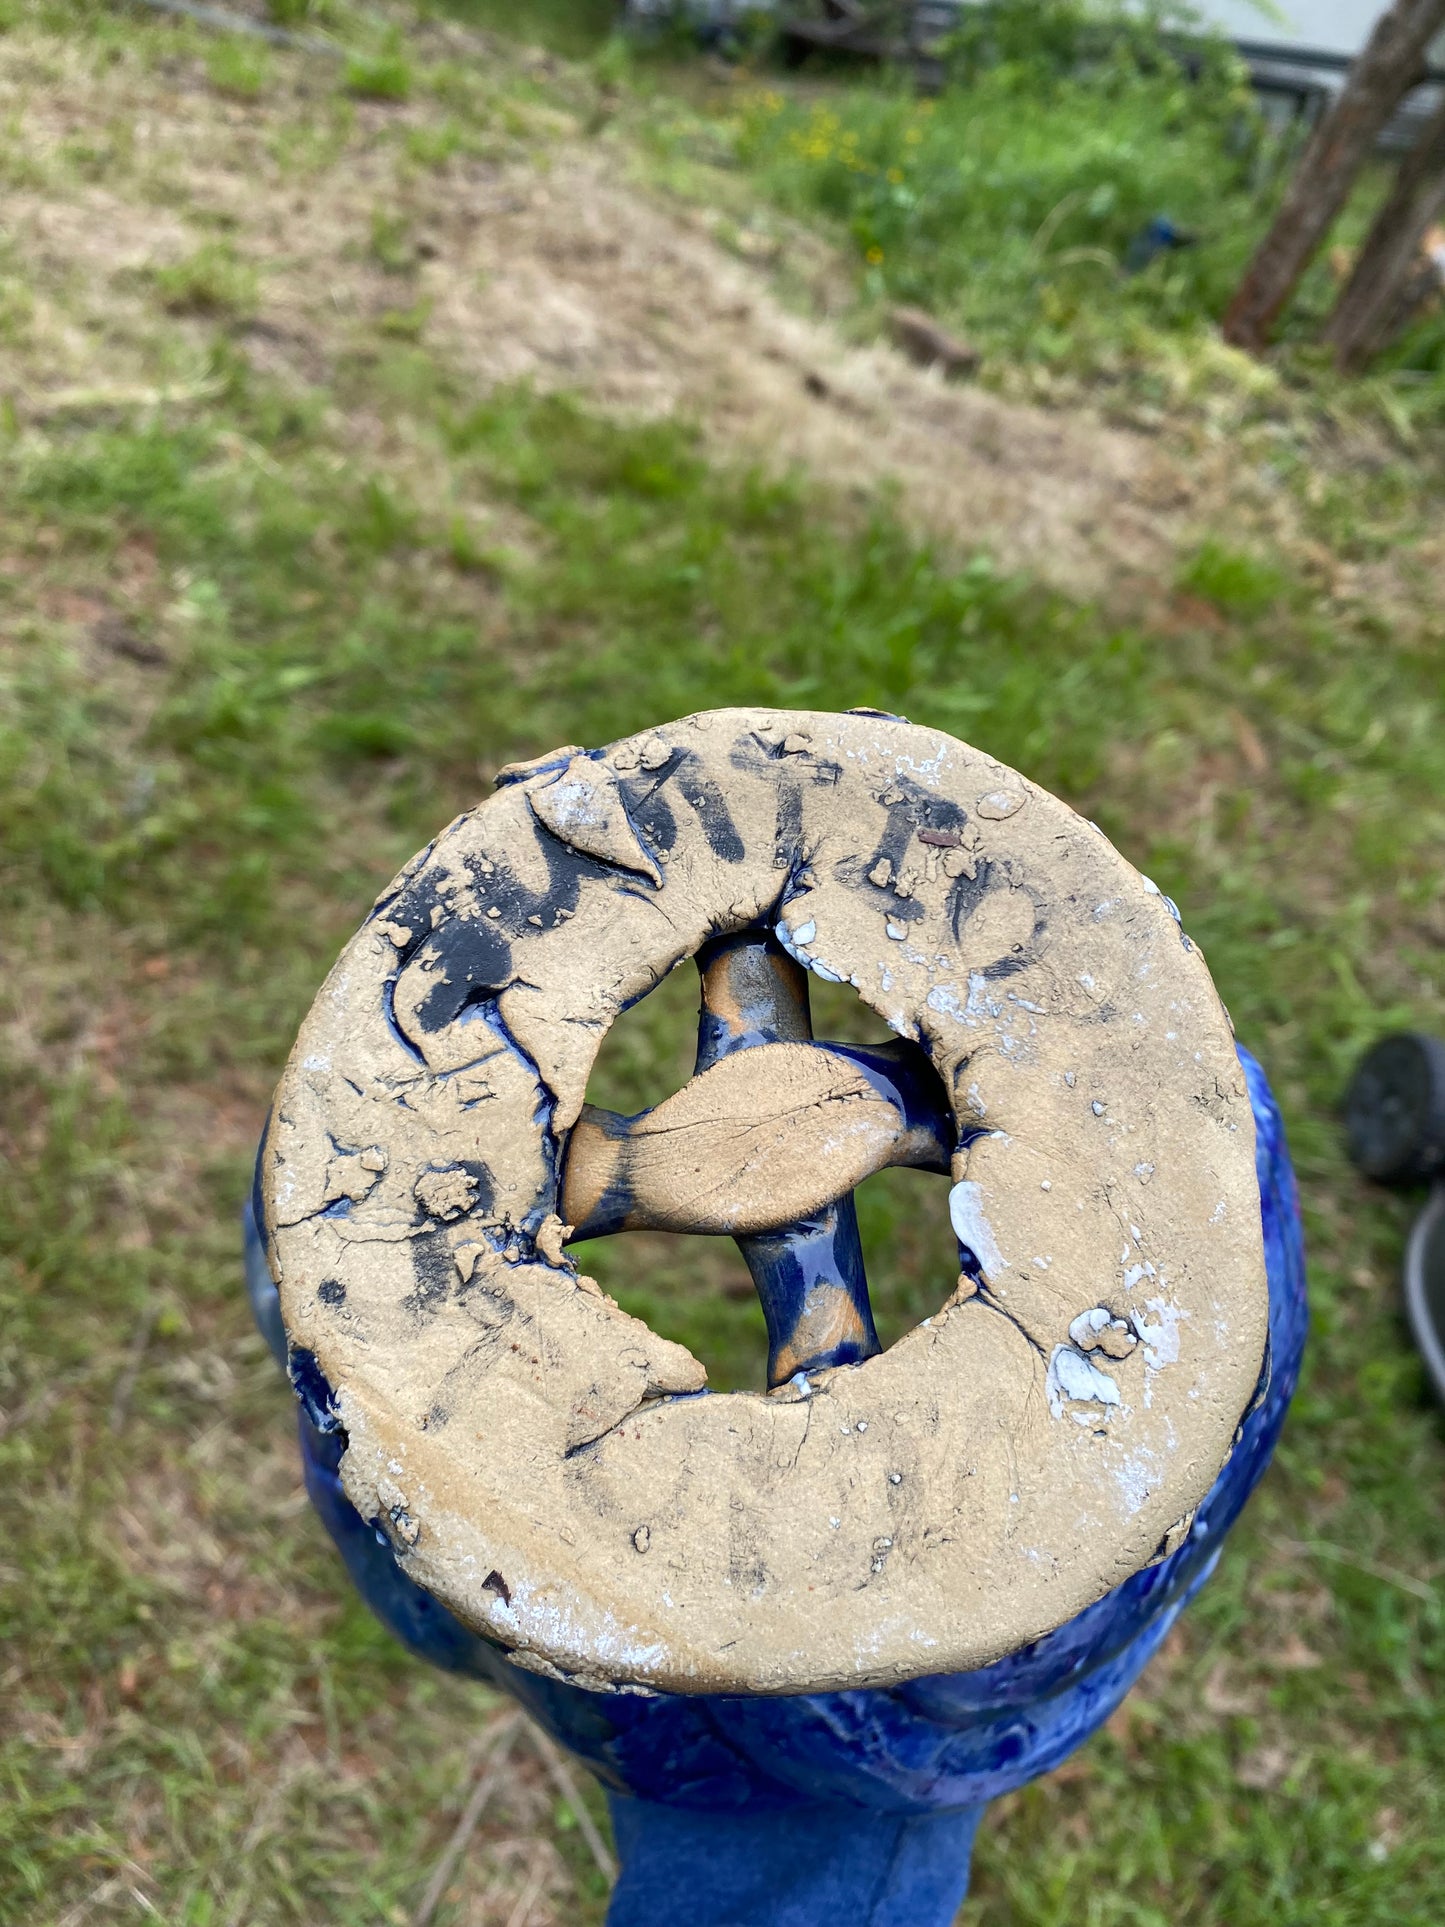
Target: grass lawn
(283, 581)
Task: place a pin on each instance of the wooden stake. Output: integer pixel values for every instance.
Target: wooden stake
(1389, 65)
(1371, 298)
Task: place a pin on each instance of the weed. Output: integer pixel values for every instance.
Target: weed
(1017, 203)
(1012, 200)
(239, 67)
(393, 245)
(574, 27)
(212, 281)
(1241, 584)
(386, 75)
(406, 324)
(435, 146)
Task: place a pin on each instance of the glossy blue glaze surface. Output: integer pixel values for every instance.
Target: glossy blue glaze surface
(764, 994)
(811, 1866)
(752, 995)
(790, 1267)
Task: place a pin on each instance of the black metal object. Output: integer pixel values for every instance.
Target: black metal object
(878, 29)
(1425, 1287)
(1394, 1114)
(1395, 1109)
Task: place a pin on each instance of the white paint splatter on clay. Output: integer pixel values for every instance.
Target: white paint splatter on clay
(972, 1228)
(1072, 1376)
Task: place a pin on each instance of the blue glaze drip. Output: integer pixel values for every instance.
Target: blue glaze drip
(260, 1286)
(904, 1078)
(809, 1276)
(310, 1385)
(797, 1269)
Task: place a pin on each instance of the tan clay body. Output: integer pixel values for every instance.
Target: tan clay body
(1002, 1466)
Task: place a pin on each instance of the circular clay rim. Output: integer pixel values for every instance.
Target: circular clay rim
(541, 1462)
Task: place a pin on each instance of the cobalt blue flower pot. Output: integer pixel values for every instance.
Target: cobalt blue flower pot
(728, 1606)
(808, 1809)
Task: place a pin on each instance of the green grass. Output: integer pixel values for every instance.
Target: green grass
(212, 281)
(385, 75)
(572, 27)
(1012, 198)
(239, 67)
(249, 660)
(1010, 205)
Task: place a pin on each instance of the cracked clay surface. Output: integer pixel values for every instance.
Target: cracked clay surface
(539, 1458)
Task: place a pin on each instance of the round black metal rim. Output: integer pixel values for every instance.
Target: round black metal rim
(1394, 1109)
(1425, 1287)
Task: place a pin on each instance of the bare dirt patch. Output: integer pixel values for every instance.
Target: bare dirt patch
(574, 279)
(554, 268)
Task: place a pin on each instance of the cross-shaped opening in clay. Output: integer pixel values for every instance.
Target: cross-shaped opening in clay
(742, 1119)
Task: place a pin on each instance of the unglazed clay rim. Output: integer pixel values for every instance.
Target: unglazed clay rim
(536, 1456)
